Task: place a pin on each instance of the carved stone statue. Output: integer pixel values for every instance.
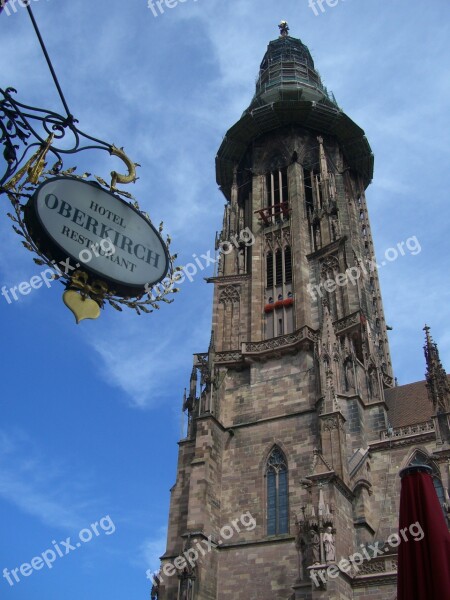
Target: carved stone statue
(349, 376)
(317, 238)
(187, 578)
(301, 544)
(241, 260)
(334, 228)
(186, 588)
(329, 545)
(373, 383)
(314, 546)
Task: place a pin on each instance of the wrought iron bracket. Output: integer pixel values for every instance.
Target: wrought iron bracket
(24, 128)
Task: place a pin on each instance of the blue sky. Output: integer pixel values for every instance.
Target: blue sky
(90, 414)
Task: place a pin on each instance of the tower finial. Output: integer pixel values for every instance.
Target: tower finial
(284, 29)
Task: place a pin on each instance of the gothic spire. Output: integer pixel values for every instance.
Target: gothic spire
(437, 382)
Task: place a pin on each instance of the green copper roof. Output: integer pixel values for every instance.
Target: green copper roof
(289, 91)
(288, 64)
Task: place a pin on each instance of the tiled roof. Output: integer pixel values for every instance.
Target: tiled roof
(408, 404)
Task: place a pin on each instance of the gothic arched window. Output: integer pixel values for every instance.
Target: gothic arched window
(278, 267)
(277, 493)
(288, 264)
(277, 190)
(269, 269)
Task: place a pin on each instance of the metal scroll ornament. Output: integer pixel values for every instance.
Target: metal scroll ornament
(31, 137)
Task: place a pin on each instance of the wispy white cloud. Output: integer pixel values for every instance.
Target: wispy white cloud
(39, 486)
(151, 549)
(138, 367)
(142, 358)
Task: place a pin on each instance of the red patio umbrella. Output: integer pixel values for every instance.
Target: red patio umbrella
(423, 564)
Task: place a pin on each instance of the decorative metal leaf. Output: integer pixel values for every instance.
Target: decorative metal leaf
(101, 181)
(56, 167)
(114, 305)
(125, 194)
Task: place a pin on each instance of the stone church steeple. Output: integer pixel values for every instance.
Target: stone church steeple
(438, 388)
(285, 403)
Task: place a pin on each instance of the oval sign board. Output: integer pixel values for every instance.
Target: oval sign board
(100, 232)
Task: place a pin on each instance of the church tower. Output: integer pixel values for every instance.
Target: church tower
(274, 472)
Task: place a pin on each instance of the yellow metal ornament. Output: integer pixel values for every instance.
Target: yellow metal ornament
(86, 299)
(33, 168)
(81, 306)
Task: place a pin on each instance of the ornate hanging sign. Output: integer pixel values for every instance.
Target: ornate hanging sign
(102, 248)
(93, 235)
(94, 229)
